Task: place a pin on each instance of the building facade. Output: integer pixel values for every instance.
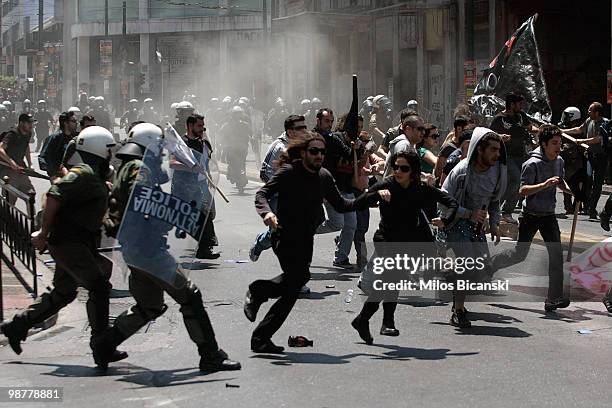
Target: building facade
(164, 49)
(433, 50)
(34, 59)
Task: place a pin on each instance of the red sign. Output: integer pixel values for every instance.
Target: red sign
(469, 73)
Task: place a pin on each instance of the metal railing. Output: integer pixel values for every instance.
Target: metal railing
(16, 227)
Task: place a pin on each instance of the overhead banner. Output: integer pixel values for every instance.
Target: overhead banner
(516, 68)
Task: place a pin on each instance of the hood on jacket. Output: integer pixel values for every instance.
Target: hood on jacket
(477, 135)
(538, 154)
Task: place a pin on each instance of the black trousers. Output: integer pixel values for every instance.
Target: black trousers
(599, 164)
(549, 229)
(294, 256)
(76, 265)
(208, 239)
(148, 292)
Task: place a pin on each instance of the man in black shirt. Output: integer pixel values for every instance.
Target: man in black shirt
(52, 153)
(196, 139)
(337, 150)
(301, 185)
(514, 127)
(14, 148)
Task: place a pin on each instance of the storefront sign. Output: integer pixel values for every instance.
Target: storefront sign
(106, 58)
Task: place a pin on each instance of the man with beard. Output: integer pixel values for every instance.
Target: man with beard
(72, 217)
(14, 152)
(52, 153)
(301, 185)
(478, 183)
(196, 139)
(338, 151)
(513, 122)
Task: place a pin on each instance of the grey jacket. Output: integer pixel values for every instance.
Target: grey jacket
(456, 182)
(536, 170)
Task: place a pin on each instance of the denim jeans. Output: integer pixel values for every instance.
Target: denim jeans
(346, 223)
(262, 241)
(511, 197)
(598, 164)
(363, 221)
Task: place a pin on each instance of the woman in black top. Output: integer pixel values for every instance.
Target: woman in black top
(401, 220)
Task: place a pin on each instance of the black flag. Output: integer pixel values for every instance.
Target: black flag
(517, 68)
(351, 124)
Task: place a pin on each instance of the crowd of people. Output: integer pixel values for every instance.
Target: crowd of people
(320, 178)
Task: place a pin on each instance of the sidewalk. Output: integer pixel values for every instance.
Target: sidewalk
(15, 297)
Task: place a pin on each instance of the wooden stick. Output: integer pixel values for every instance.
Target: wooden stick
(574, 140)
(26, 171)
(574, 222)
(215, 186)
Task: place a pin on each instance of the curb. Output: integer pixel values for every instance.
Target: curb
(44, 275)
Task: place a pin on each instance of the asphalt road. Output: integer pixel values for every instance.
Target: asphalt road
(514, 355)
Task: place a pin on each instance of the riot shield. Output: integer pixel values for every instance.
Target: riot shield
(169, 205)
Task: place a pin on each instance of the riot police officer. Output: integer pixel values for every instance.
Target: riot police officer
(10, 116)
(235, 136)
(148, 112)
(183, 110)
(131, 115)
(147, 286)
(26, 106)
(102, 116)
(71, 222)
(43, 125)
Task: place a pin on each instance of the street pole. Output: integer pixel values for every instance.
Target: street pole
(106, 18)
(41, 10)
(124, 28)
(264, 12)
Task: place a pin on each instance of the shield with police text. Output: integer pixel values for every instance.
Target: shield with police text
(169, 212)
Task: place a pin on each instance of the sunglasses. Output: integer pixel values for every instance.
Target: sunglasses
(403, 168)
(434, 135)
(299, 128)
(315, 151)
(419, 128)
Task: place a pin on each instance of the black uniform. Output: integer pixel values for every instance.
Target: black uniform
(208, 239)
(16, 147)
(42, 118)
(300, 195)
(148, 290)
(72, 243)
